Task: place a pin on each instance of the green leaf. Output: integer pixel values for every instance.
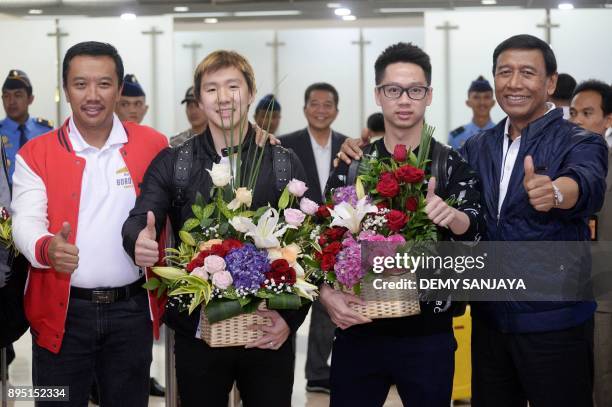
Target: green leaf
(151, 284)
(244, 301)
(223, 208)
(197, 211)
(260, 211)
(330, 276)
(283, 201)
(187, 238)
(251, 306)
(223, 228)
(284, 301)
(199, 200)
(169, 273)
(206, 222)
(221, 309)
(190, 224)
(208, 210)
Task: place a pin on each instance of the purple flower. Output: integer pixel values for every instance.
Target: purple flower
(248, 266)
(348, 263)
(345, 194)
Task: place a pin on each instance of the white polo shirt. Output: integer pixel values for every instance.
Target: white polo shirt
(510, 152)
(107, 196)
(322, 156)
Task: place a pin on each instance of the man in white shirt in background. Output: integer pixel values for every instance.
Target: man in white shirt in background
(317, 146)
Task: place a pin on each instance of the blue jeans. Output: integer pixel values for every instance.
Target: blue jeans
(111, 341)
(364, 368)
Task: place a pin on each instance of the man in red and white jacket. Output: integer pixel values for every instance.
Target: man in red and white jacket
(72, 190)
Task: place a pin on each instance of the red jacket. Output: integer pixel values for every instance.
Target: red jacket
(52, 158)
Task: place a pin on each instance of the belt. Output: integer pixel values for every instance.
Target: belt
(108, 295)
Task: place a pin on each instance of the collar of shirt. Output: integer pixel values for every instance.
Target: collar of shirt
(550, 106)
(117, 135)
(11, 125)
(318, 146)
(609, 137)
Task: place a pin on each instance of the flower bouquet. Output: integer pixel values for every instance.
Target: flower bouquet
(6, 231)
(233, 260)
(381, 215)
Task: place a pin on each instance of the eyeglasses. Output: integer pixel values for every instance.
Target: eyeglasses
(395, 91)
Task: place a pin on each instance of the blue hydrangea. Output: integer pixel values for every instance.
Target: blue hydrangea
(248, 266)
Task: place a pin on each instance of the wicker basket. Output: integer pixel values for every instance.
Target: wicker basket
(388, 303)
(232, 331)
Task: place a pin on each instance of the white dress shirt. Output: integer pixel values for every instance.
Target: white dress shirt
(107, 196)
(322, 156)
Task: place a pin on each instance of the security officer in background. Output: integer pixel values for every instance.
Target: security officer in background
(480, 100)
(132, 105)
(195, 115)
(18, 127)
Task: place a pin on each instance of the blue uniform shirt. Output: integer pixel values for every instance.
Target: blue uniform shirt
(9, 131)
(459, 136)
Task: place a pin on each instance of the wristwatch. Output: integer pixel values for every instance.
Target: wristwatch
(557, 195)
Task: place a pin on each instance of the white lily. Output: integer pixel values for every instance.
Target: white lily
(305, 289)
(349, 216)
(265, 235)
(242, 224)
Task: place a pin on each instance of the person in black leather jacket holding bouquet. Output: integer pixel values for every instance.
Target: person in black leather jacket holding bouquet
(225, 87)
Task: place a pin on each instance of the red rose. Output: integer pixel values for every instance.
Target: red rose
(281, 272)
(333, 248)
(410, 174)
(382, 205)
(230, 244)
(412, 204)
(318, 256)
(400, 153)
(387, 185)
(218, 250)
(334, 233)
(396, 220)
(198, 261)
(323, 211)
(322, 240)
(327, 262)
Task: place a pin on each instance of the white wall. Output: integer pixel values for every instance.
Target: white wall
(31, 50)
(321, 53)
(581, 45)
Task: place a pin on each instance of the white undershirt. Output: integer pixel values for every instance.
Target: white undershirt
(107, 196)
(322, 156)
(509, 155)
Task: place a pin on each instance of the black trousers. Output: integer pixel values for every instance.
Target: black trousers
(364, 368)
(205, 375)
(112, 342)
(547, 369)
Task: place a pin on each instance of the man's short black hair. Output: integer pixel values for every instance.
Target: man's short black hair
(528, 42)
(324, 86)
(402, 52)
(600, 87)
(565, 87)
(93, 48)
(376, 122)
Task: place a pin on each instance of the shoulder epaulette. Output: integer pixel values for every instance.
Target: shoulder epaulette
(44, 122)
(457, 131)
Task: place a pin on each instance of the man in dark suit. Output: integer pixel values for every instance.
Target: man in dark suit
(317, 146)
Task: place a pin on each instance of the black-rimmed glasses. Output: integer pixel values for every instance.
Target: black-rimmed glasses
(417, 92)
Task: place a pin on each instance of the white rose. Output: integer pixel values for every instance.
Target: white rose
(221, 174)
(243, 197)
(241, 224)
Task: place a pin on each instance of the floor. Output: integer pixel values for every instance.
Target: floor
(20, 373)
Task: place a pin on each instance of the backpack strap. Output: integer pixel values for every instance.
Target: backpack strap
(439, 160)
(182, 171)
(353, 169)
(281, 165)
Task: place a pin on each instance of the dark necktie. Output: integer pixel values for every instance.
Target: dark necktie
(22, 136)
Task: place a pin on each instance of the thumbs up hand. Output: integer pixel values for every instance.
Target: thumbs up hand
(438, 211)
(146, 252)
(539, 188)
(63, 256)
